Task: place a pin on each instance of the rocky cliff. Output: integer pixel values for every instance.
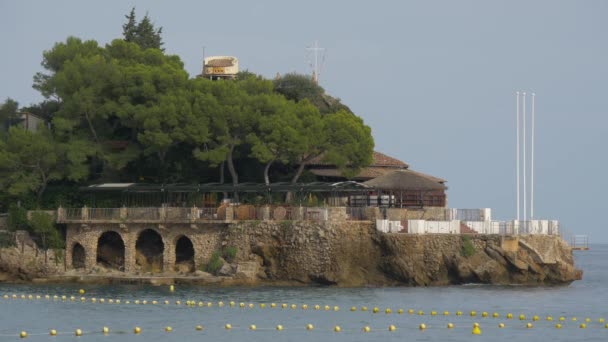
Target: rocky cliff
(355, 254)
(338, 253)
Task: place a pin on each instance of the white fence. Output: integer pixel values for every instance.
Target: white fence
(533, 227)
(483, 214)
(387, 226)
(433, 227)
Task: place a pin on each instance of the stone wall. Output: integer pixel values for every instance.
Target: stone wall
(205, 239)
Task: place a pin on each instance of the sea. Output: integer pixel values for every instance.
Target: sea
(323, 308)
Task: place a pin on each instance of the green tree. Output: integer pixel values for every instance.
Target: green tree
(29, 161)
(43, 227)
(8, 114)
(143, 33)
(341, 139)
(298, 87)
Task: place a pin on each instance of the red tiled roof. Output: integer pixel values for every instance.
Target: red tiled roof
(380, 160)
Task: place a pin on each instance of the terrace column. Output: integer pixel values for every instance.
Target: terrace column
(129, 240)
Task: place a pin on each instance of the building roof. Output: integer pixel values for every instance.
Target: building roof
(406, 180)
(220, 62)
(365, 174)
(379, 160)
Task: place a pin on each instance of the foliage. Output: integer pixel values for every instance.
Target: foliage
(298, 87)
(7, 239)
(42, 225)
(17, 218)
(215, 263)
(467, 249)
(229, 253)
(29, 161)
(143, 33)
(8, 114)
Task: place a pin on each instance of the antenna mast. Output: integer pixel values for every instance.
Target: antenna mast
(316, 66)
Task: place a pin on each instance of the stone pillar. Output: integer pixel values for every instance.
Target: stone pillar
(229, 213)
(265, 210)
(129, 239)
(84, 213)
(90, 255)
(60, 214)
(168, 255)
(193, 214)
(162, 213)
(123, 213)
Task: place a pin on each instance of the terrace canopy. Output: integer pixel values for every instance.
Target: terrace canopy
(407, 188)
(139, 194)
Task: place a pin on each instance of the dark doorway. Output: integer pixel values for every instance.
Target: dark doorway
(149, 250)
(184, 255)
(111, 251)
(78, 256)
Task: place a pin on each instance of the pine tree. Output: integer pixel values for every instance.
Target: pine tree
(143, 33)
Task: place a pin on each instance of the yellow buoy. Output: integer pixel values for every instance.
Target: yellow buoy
(574, 319)
(458, 313)
(177, 302)
(522, 317)
(606, 326)
(81, 291)
(433, 313)
(364, 308)
(388, 311)
(293, 306)
(241, 305)
(78, 332)
(220, 304)
(166, 302)
(53, 332)
(137, 330)
(473, 313)
(279, 327)
(450, 326)
(228, 326)
(101, 300)
(93, 300)
(105, 330)
(501, 325)
(446, 313)
(366, 329)
(422, 326)
(410, 311)
(600, 320)
(171, 288)
(232, 304)
(317, 307)
(352, 308)
(284, 306)
(529, 325)
(154, 302)
(168, 329)
(198, 327)
(509, 315)
(558, 326)
(337, 328)
(420, 313)
(549, 318)
(587, 319)
(495, 315)
(582, 326)
(309, 326)
(304, 307)
(273, 305)
(535, 318)
(336, 308)
(400, 311)
(252, 327)
(23, 334)
(251, 306)
(375, 310)
(476, 331)
(484, 314)
(475, 325)
(392, 328)
(136, 302)
(262, 305)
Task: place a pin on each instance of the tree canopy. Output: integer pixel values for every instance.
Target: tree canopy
(142, 33)
(128, 112)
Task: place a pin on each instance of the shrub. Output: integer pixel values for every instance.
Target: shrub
(467, 249)
(43, 227)
(7, 240)
(230, 253)
(215, 263)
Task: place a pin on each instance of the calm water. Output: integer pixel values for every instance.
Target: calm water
(586, 298)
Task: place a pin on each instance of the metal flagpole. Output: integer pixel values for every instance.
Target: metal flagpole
(524, 155)
(517, 155)
(532, 164)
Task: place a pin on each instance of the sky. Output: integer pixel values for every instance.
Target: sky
(435, 80)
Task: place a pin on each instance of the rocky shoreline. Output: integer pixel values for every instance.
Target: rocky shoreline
(345, 255)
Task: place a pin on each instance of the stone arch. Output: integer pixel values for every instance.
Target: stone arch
(184, 255)
(78, 256)
(111, 250)
(149, 249)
